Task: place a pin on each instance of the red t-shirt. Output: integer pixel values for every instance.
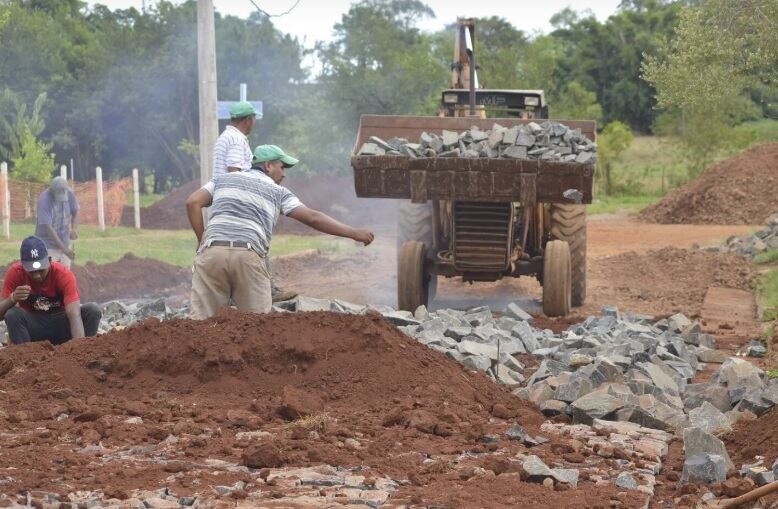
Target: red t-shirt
(57, 291)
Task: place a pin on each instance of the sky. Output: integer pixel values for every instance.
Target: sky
(312, 20)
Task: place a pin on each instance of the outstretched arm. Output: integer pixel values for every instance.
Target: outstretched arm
(325, 224)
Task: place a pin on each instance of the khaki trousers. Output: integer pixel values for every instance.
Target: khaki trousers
(224, 273)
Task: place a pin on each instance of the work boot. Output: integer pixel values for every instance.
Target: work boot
(280, 295)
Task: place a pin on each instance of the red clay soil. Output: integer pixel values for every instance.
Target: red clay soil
(333, 195)
(343, 376)
(754, 438)
(127, 278)
(169, 213)
(667, 280)
(740, 190)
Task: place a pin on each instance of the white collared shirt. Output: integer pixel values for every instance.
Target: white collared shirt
(231, 149)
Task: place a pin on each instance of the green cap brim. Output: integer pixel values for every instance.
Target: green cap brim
(288, 161)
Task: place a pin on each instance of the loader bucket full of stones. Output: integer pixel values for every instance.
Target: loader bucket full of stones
(483, 199)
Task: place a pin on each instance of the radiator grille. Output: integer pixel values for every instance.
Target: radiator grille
(482, 236)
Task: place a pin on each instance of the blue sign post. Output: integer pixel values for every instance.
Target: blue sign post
(223, 107)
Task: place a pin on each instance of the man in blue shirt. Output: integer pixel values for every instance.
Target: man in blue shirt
(58, 220)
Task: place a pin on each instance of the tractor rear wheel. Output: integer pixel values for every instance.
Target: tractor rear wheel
(415, 223)
(556, 278)
(568, 223)
(412, 282)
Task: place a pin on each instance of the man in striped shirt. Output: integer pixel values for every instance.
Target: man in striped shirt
(244, 207)
(232, 151)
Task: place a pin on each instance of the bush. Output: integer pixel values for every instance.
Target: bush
(34, 162)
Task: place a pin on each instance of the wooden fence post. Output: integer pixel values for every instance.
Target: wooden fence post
(63, 171)
(6, 212)
(100, 210)
(136, 197)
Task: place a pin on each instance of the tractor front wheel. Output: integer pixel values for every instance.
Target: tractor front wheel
(412, 282)
(557, 284)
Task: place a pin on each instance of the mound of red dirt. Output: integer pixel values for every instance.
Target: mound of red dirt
(667, 280)
(754, 438)
(307, 383)
(740, 190)
(333, 195)
(169, 213)
(127, 278)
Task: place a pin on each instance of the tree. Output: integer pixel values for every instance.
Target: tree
(16, 123)
(718, 50)
(378, 62)
(577, 103)
(605, 57)
(33, 162)
(721, 52)
(611, 144)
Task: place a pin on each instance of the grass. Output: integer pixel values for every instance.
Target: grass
(767, 292)
(147, 200)
(767, 257)
(653, 165)
(613, 204)
(172, 246)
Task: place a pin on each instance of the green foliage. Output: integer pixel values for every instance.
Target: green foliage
(577, 103)
(718, 49)
(378, 62)
(722, 55)
(537, 65)
(15, 122)
(767, 257)
(767, 291)
(606, 56)
(620, 203)
(611, 144)
(33, 162)
(497, 44)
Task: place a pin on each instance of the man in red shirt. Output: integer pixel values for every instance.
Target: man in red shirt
(40, 299)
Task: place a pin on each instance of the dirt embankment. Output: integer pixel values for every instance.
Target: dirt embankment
(127, 278)
(333, 195)
(740, 190)
(666, 280)
(345, 377)
(754, 438)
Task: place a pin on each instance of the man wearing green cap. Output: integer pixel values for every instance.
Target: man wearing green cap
(244, 207)
(232, 151)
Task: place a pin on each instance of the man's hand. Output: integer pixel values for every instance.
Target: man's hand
(363, 236)
(73, 235)
(21, 294)
(70, 254)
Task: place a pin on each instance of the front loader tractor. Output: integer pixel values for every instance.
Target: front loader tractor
(481, 219)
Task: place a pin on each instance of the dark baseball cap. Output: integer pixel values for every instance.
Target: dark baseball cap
(34, 254)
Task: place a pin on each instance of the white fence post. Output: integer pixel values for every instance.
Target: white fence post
(136, 196)
(100, 210)
(6, 212)
(63, 171)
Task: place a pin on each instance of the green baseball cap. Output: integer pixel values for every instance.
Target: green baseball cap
(273, 153)
(242, 109)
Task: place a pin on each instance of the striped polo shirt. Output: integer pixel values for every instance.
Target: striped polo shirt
(245, 208)
(231, 149)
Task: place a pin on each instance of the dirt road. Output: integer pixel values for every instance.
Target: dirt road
(620, 271)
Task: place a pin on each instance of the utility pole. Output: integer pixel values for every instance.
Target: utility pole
(206, 72)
